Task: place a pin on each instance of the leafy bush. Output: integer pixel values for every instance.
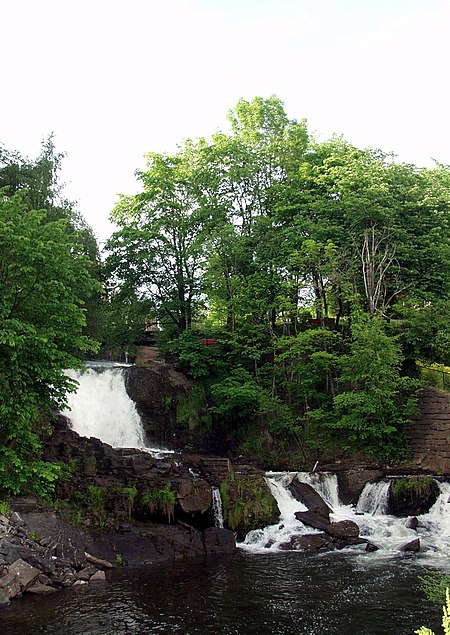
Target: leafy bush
(445, 619)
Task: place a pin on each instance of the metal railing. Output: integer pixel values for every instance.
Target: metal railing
(435, 377)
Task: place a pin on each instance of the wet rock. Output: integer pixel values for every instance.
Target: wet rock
(343, 529)
(4, 598)
(351, 483)
(99, 576)
(68, 579)
(305, 494)
(156, 390)
(370, 547)
(412, 522)
(218, 540)
(104, 564)
(308, 542)
(412, 496)
(41, 589)
(312, 519)
(412, 546)
(347, 541)
(87, 573)
(194, 496)
(24, 572)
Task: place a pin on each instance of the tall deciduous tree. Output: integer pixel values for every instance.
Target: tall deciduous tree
(160, 250)
(43, 278)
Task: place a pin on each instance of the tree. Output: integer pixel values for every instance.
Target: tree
(38, 180)
(43, 277)
(160, 250)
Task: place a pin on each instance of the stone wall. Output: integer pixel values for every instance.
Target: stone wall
(430, 434)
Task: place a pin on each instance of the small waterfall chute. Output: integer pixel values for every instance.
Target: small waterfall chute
(374, 498)
(217, 508)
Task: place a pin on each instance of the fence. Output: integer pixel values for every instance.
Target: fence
(435, 377)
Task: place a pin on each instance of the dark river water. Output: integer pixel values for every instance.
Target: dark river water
(245, 594)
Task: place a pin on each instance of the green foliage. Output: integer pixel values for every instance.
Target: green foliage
(43, 275)
(119, 560)
(445, 618)
(411, 487)
(90, 464)
(195, 358)
(324, 268)
(236, 397)
(160, 500)
(434, 584)
(436, 375)
(376, 401)
(192, 408)
(5, 509)
(94, 498)
(247, 503)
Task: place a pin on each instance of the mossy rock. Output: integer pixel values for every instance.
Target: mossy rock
(412, 496)
(247, 502)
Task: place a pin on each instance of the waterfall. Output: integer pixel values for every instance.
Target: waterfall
(388, 533)
(374, 498)
(101, 407)
(217, 508)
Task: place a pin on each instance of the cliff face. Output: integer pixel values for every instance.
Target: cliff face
(157, 390)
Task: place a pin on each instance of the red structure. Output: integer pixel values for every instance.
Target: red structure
(209, 342)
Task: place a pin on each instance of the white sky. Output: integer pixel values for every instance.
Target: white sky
(114, 79)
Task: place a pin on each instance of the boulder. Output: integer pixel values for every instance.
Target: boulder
(194, 496)
(312, 519)
(412, 496)
(24, 572)
(218, 540)
(370, 547)
(351, 483)
(343, 529)
(307, 542)
(156, 390)
(307, 495)
(412, 522)
(413, 546)
(99, 576)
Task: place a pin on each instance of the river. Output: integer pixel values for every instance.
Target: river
(244, 594)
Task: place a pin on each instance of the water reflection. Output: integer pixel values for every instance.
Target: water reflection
(283, 594)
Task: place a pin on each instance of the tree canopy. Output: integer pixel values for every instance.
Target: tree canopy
(305, 259)
(45, 278)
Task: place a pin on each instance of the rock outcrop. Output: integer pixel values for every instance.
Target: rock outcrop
(334, 535)
(159, 392)
(41, 553)
(308, 496)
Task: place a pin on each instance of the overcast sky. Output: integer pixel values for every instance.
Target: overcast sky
(116, 79)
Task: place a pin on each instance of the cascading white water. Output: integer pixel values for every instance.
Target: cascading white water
(374, 498)
(101, 407)
(388, 533)
(217, 507)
